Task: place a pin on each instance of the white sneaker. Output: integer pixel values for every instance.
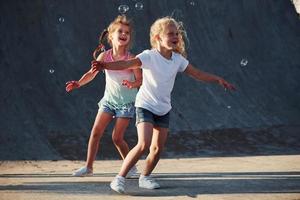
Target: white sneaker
(83, 171)
(133, 172)
(148, 182)
(118, 184)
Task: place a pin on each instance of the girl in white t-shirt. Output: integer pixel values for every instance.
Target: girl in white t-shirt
(119, 96)
(153, 101)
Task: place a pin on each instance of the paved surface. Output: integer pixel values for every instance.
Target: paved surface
(257, 177)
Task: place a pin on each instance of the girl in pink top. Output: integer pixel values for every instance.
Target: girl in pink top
(119, 96)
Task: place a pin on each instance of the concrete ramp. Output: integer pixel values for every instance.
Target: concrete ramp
(253, 44)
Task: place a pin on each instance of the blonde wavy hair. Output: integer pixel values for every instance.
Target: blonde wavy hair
(158, 27)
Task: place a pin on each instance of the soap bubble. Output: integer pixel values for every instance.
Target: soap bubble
(61, 19)
(139, 6)
(244, 62)
(192, 3)
(123, 9)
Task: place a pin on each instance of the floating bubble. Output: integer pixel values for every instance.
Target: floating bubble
(61, 19)
(51, 71)
(192, 3)
(139, 6)
(123, 9)
(244, 62)
(228, 107)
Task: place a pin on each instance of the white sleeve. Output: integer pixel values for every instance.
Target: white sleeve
(183, 64)
(145, 59)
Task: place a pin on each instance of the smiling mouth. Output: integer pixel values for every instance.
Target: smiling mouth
(123, 39)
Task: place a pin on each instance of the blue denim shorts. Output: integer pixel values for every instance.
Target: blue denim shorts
(143, 115)
(126, 110)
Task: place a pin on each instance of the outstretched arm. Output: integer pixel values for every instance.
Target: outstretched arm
(133, 63)
(86, 78)
(206, 77)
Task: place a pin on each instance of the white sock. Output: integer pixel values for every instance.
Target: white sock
(143, 176)
(120, 177)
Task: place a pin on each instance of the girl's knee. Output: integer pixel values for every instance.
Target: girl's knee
(96, 133)
(142, 147)
(156, 150)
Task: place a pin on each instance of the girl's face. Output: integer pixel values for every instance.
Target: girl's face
(121, 35)
(169, 37)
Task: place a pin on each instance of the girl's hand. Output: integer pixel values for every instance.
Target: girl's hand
(128, 84)
(71, 85)
(226, 85)
(97, 66)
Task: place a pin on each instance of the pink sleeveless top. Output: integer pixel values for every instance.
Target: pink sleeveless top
(115, 93)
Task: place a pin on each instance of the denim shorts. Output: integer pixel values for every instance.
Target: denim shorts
(143, 115)
(126, 110)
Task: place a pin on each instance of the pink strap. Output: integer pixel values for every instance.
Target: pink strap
(109, 58)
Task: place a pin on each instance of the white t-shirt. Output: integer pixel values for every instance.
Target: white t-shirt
(159, 75)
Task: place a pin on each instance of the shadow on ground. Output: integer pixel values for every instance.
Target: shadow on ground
(174, 184)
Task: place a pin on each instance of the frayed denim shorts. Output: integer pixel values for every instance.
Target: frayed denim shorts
(125, 110)
(144, 115)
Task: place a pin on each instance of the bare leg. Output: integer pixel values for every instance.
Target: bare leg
(158, 142)
(101, 121)
(144, 140)
(118, 136)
